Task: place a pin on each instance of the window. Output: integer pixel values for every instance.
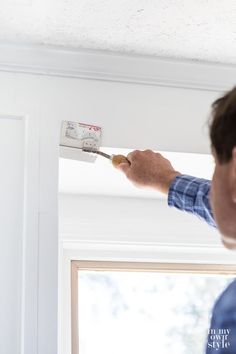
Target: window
(121, 307)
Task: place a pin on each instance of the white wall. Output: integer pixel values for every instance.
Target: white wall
(134, 221)
(11, 226)
(29, 236)
(132, 116)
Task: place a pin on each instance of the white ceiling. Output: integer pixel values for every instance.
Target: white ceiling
(198, 30)
(100, 178)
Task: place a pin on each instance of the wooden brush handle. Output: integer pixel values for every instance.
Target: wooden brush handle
(117, 159)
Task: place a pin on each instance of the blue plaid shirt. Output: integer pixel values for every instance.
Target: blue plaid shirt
(191, 194)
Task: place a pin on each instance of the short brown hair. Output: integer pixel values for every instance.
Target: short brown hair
(223, 126)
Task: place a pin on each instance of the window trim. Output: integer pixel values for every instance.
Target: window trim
(187, 268)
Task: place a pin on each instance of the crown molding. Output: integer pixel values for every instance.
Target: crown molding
(110, 66)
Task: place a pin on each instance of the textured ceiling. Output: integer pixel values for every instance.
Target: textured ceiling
(198, 30)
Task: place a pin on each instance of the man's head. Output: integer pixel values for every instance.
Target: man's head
(223, 143)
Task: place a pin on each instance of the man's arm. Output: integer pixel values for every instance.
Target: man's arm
(150, 169)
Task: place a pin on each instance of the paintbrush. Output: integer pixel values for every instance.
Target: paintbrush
(84, 138)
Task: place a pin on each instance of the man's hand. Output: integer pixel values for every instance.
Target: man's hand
(149, 169)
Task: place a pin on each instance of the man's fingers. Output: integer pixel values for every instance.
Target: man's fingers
(138, 154)
(124, 167)
(132, 155)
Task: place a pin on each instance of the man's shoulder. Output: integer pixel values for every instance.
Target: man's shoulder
(227, 300)
(224, 321)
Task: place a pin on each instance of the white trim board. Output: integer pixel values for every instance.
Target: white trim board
(146, 252)
(109, 66)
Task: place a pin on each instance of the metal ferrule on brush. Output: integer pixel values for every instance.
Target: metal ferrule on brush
(95, 151)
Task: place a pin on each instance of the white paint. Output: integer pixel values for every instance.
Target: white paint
(202, 30)
(100, 178)
(101, 65)
(130, 220)
(36, 193)
(11, 220)
(43, 102)
(155, 114)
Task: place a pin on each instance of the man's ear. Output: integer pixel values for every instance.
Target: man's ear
(234, 175)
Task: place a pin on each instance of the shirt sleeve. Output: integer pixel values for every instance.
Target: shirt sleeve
(191, 194)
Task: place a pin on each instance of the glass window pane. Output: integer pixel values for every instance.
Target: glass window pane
(145, 312)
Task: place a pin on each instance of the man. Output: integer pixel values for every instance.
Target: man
(214, 202)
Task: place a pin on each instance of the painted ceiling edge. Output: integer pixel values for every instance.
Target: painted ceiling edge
(110, 66)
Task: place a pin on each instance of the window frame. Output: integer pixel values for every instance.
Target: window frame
(186, 268)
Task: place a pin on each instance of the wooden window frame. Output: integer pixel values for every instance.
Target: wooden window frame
(187, 268)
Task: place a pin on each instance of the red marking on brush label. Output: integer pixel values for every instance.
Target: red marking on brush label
(90, 127)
